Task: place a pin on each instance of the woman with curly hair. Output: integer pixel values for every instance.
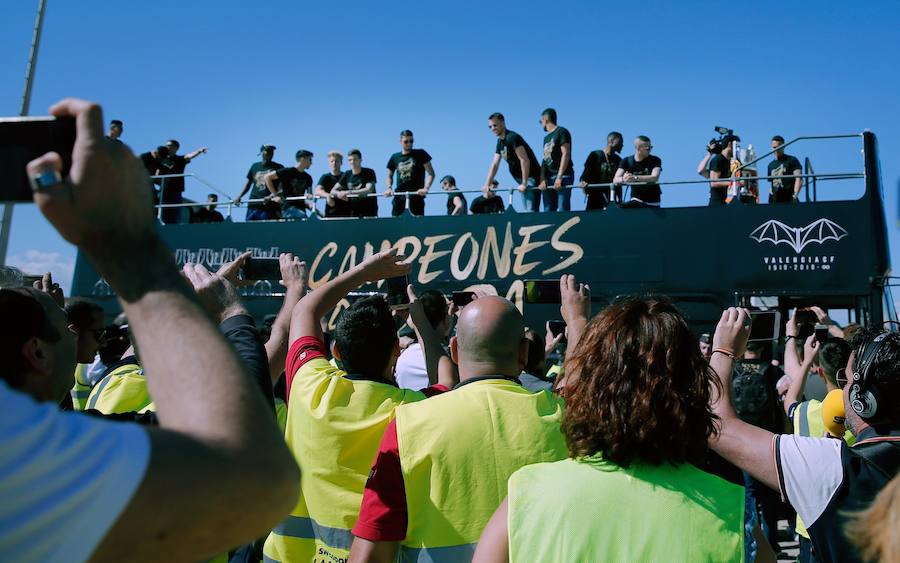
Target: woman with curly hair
(637, 423)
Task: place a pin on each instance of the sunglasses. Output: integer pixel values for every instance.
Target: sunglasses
(840, 377)
(407, 141)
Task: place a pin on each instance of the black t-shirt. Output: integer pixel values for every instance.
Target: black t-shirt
(784, 166)
(207, 216)
(506, 148)
(151, 163)
(294, 183)
(451, 195)
(410, 169)
(648, 193)
(341, 208)
(173, 164)
(256, 175)
(600, 168)
(366, 206)
(483, 204)
(722, 165)
(553, 143)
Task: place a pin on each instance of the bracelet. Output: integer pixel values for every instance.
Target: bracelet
(789, 336)
(724, 352)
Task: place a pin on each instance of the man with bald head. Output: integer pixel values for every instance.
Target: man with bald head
(442, 470)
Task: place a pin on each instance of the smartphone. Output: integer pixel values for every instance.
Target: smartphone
(542, 291)
(764, 325)
(821, 332)
(255, 269)
(29, 279)
(397, 297)
(23, 139)
(462, 298)
(557, 328)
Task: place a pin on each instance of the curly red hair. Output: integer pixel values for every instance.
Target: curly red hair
(641, 388)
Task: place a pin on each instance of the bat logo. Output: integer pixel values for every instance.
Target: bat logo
(797, 238)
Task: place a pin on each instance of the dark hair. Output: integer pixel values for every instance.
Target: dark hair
(406, 133)
(301, 153)
(614, 135)
(116, 122)
(449, 179)
(778, 138)
(31, 321)
(643, 138)
(365, 336)
(497, 115)
(214, 196)
(642, 388)
(174, 142)
(551, 115)
(833, 356)
(435, 305)
(80, 312)
(353, 152)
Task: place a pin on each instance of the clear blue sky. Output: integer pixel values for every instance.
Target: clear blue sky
(317, 75)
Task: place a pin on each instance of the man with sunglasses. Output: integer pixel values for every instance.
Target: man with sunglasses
(523, 165)
(414, 174)
(824, 479)
(641, 171)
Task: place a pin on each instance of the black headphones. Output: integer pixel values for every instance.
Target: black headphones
(864, 395)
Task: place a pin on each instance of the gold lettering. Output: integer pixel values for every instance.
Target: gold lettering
(576, 252)
(430, 256)
(516, 292)
(461, 274)
(408, 241)
(526, 246)
(330, 249)
(491, 248)
(349, 260)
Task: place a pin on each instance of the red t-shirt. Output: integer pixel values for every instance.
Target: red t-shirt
(383, 514)
(302, 350)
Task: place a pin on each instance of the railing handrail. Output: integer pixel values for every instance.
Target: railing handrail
(794, 140)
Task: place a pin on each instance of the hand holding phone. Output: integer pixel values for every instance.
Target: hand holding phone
(256, 269)
(23, 139)
(542, 291)
(397, 296)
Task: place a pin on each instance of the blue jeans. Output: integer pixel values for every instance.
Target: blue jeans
(291, 212)
(258, 215)
(529, 200)
(553, 197)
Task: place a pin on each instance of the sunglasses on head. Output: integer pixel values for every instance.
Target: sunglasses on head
(840, 377)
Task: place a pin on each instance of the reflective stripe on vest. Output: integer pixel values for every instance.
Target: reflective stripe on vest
(334, 426)
(454, 481)
(81, 389)
(804, 420)
(123, 389)
(610, 513)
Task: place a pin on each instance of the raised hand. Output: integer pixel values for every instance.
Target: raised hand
(386, 264)
(732, 331)
(294, 274)
(47, 285)
(217, 295)
(575, 303)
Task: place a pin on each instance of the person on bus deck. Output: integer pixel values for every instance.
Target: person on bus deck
(414, 174)
(358, 185)
(337, 203)
(600, 168)
(716, 165)
(208, 213)
(523, 165)
(260, 210)
(171, 188)
(490, 202)
(785, 189)
(557, 172)
(642, 170)
(295, 182)
(116, 127)
(456, 200)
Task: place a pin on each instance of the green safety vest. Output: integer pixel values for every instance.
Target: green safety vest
(457, 452)
(603, 512)
(334, 427)
(122, 389)
(81, 390)
(808, 422)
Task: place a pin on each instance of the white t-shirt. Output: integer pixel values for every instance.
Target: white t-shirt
(410, 371)
(64, 478)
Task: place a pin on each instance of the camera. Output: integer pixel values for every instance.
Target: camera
(718, 144)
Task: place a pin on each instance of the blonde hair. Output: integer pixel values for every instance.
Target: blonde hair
(874, 530)
(336, 154)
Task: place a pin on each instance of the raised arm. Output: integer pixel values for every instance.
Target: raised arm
(294, 278)
(702, 168)
(192, 155)
(575, 308)
(438, 365)
(218, 461)
(801, 372)
(306, 314)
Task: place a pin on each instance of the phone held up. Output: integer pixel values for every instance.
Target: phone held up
(22, 139)
(764, 325)
(397, 297)
(258, 269)
(557, 328)
(542, 291)
(462, 298)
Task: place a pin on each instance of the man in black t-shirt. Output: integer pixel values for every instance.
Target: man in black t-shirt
(716, 165)
(208, 213)
(523, 166)
(600, 168)
(295, 182)
(557, 172)
(787, 189)
(482, 204)
(337, 202)
(171, 188)
(414, 174)
(641, 171)
(359, 184)
(456, 201)
(260, 210)
(116, 127)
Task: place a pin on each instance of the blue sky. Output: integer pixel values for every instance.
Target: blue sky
(232, 75)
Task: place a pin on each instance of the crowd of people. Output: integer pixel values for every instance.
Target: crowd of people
(425, 431)
(289, 192)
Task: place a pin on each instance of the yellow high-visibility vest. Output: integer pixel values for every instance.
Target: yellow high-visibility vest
(81, 390)
(122, 389)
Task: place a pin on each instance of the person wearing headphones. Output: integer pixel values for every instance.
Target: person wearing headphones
(824, 479)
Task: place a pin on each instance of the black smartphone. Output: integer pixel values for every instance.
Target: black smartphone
(462, 298)
(29, 279)
(764, 325)
(557, 328)
(255, 269)
(821, 332)
(542, 291)
(806, 323)
(23, 139)
(397, 297)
